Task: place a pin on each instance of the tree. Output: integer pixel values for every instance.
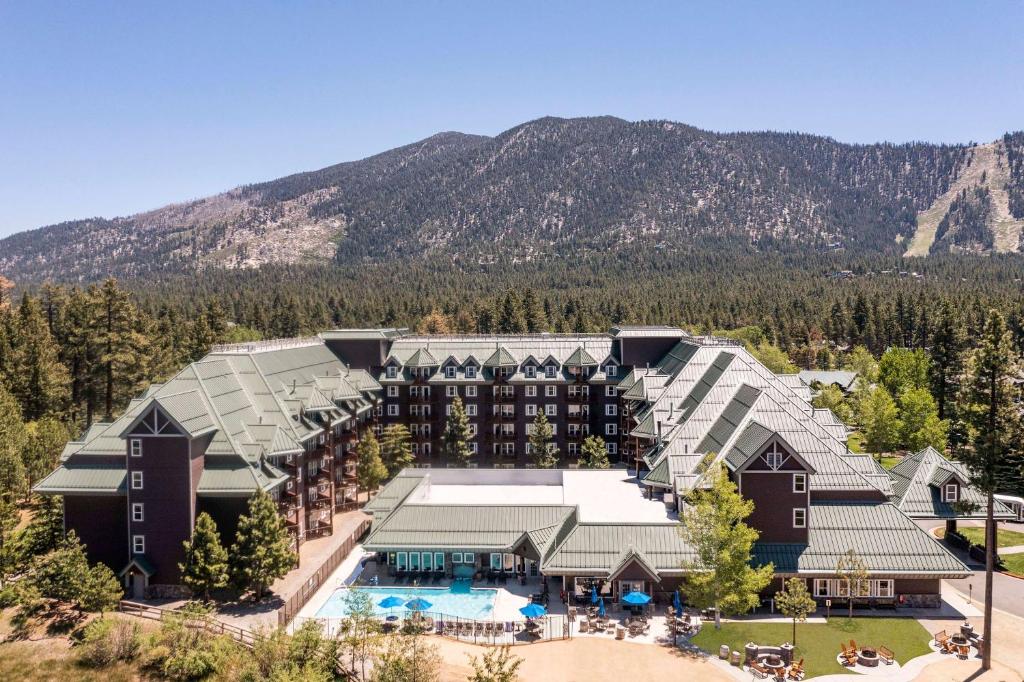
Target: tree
(774, 358)
(994, 458)
(594, 454)
(543, 452)
(947, 360)
(40, 380)
(124, 350)
(794, 601)
(101, 590)
(13, 440)
(510, 316)
(396, 448)
(262, 549)
(879, 419)
(8, 522)
(861, 361)
(497, 664)
(407, 658)
(455, 439)
(435, 322)
(206, 561)
(721, 575)
(852, 571)
(46, 439)
(64, 574)
(361, 635)
(536, 319)
(919, 421)
(370, 470)
(831, 398)
(902, 369)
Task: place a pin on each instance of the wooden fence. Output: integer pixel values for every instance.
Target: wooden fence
(196, 621)
(294, 603)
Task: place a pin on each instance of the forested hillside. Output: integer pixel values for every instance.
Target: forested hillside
(548, 188)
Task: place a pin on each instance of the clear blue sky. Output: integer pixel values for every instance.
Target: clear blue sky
(112, 108)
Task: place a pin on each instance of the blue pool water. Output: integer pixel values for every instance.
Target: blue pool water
(458, 601)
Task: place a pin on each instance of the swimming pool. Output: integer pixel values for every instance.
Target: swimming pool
(476, 604)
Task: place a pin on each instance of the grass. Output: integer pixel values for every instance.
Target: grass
(1014, 563)
(51, 661)
(818, 643)
(856, 442)
(1004, 537)
(888, 461)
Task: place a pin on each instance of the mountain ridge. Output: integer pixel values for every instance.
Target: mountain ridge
(544, 187)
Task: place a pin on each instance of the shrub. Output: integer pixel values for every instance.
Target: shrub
(106, 641)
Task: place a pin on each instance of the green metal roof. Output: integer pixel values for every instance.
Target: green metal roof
(598, 548)
(915, 482)
(461, 526)
(81, 479)
(395, 492)
(729, 420)
(227, 475)
(888, 542)
(749, 443)
(580, 358)
(501, 357)
(421, 358)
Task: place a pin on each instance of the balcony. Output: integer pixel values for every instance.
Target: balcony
(419, 398)
(577, 416)
(577, 394)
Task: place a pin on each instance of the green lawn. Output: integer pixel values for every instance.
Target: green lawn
(1004, 538)
(1014, 563)
(818, 643)
(856, 441)
(889, 462)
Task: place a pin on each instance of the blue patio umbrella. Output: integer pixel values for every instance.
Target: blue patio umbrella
(418, 604)
(600, 608)
(593, 594)
(636, 599)
(677, 604)
(533, 610)
(390, 603)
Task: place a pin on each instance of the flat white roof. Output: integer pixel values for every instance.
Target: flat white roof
(610, 495)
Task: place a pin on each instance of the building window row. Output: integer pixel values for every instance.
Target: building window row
(835, 587)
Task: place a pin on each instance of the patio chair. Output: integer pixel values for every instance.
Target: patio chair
(758, 670)
(853, 646)
(849, 657)
(963, 651)
(940, 637)
(796, 671)
(886, 655)
(584, 625)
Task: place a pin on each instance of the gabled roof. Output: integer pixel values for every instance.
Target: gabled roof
(915, 488)
(631, 556)
(140, 562)
(580, 358)
(422, 358)
(500, 358)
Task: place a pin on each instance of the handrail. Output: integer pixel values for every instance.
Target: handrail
(200, 621)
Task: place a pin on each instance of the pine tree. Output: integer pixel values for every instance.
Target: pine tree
(594, 454)
(543, 453)
(101, 591)
(994, 458)
(536, 321)
(721, 575)
(946, 372)
(396, 448)
(370, 470)
(124, 351)
(13, 440)
(206, 561)
(262, 549)
(40, 381)
(510, 318)
(46, 439)
(8, 521)
(456, 436)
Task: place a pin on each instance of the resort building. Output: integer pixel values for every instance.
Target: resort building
(285, 417)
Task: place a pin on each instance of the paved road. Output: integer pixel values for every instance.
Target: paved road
(1008, 591)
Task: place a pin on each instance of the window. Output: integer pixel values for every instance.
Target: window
(456, 557)
(470, 410)
(439, 562)
(799, 517)
(402, 561)
(611, 370)
(392, 391)
(449, 371)
(469, 558)
(573, 449)
(138, 544)
(799, 483)
(311, 494)
(392, 372)
(951, 492)
(136, 480)
(611, 410)
(531, 410)
(137, 512)
(531, 391)
(471, 374)
(470, 391)
(611, 429)
(551, 409)
(883, 588)
(550, 391)
(136, 446)
(550, 371)
(451, 391)
(392, 410)
(472, 430)
(821, 587)
(530, 371)
(473, 447)
(610, 391)
(773, 457)
(612, 448)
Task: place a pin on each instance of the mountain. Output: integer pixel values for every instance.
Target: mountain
(554, 186)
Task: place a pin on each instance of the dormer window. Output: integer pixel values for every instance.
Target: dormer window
(449, 371)
(951, 492)
(611, 370)
(392, 372)
(471, 372)
(549, 371)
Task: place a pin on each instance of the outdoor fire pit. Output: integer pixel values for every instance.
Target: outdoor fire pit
(867, 657)
(773, 662)
(959, 640)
